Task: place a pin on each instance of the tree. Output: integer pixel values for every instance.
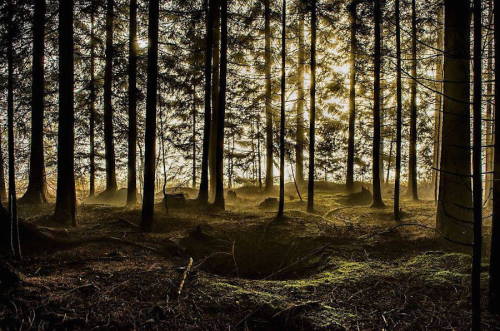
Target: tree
(269, 108)
(312, 115)
(399, 116)
(282, 112)
(132, 107)
(477, 180)
(352, 96)
(37, 188)
(454, 214)
(377, 192)
(412, 165)
(494, 270)
(219, 152)
(150, 133)
(109, 145)
(14, 226)
(65, 211)
(210, 8)
(3, 191)
(299, 139)
(92, 112)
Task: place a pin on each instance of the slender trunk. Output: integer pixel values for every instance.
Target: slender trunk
(352, 97)
(389, 161)
(282, 112)
(489, 125)
(477, 180)
(14, 226)
(37, 188)
(259, 155)
(132, 107)
(150, 133)
(109, 145)
(299, 149)
(194, 135)
(454, 215)
(377, 193)
(438, 118)
(399, 115)
(215, 97)
(382, 90)
(65, 211)
(312, 115)
(3, 191)
(412, 165)
(494, 291)
(210, 9)
(92, 113)
(269, 109)
(219, 152)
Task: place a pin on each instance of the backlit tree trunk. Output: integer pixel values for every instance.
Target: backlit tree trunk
(399, 115)
(281, 205)
(132, 107)
(352, 97)
(299, 147)
(92, 112)
(312, 114)
(269, 109)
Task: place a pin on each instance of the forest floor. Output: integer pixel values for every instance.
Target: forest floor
(347, 266)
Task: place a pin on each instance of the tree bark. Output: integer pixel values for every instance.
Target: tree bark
(221, 113)
(399, 114)
(312, 114)
(352, 96)
(132, 107)
(269, 108)
(454, 215)
(37, 189)
(412, 155)
(92, 112)
(299, 147)
(488, 180)
(65, 211)
(377, 192)
(3, 191)
(150, 133)
(194, 114)
(210, 9)
(109, 145)
(281, 205)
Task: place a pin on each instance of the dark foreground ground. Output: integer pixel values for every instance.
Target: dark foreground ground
(345, 267)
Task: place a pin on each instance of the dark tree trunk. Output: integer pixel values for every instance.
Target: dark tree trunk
(14, 226)
(494, 293)
(399, 114)
(215, 97)
(477, 180)
(299, 140)
(269, 108)
(281, 205)
(65, 211)
(312, 116)
(352, 96)
(132, 107)
(92, 112)
(454, 215)
(194, 136)
(109, 145)
(150, 133)
(37, 188)
(259, 154)
(219, 152)
(412, 159)
(203, 192)
(488, 178)
(377, 192)
(3, 191)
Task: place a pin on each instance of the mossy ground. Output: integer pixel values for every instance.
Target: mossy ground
(346, 266)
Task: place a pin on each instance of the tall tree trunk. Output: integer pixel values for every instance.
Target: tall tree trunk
(454, 215)
(14, 226)
(150, 133)
(269, 108)
(3, 191)
(494, 292)
(92, 112)
(352, 96)
(132, 107)
(382, 97)
(438, 118)
(210, 7)
(37, 188)
(109, 145)
(65, 211)
(477, 180)
(399, 114)
(215, 97)
(281, 205)
(312, 114)
(194, 136)
(377, 192)
(299, 140)
(259, 154)
(489, 125)
(219, 152)
(412, 164)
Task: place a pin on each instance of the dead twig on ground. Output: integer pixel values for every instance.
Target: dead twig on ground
(184, 276)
